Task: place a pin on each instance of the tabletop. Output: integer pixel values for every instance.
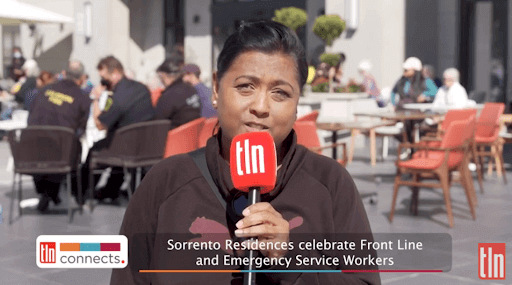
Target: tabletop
(431, 106)
(338, 126)
(401, 115)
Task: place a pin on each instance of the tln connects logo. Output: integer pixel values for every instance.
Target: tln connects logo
(95, 251)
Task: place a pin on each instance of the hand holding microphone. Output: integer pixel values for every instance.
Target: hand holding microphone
(253, 165)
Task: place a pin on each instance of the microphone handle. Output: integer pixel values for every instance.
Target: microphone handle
(250, 277)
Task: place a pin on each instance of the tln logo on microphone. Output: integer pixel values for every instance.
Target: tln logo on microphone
(491, 261)
(257, 156)
(253, 161)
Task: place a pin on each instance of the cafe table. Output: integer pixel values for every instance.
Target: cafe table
(402, 116)
(355, 127)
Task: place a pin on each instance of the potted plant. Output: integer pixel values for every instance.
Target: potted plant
(292, 17)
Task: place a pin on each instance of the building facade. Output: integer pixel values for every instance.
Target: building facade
(472, 35)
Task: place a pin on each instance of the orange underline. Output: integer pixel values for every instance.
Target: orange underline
(189, 271)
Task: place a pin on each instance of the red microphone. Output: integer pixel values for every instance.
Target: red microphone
(253, 165)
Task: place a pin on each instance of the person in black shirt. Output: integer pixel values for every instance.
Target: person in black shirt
(60, 104)
(179, 102)
(31, 70)
(17, 62)
(130, 103)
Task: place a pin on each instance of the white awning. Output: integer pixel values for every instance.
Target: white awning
(14, 12)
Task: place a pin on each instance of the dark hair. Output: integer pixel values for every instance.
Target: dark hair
(172, 65)
(267, 37)
(110, 63)
(417, 86)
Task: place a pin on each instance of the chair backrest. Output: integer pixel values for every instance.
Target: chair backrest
(306, 133)
(184, 138)
(40, 147)
(457, 133)
(456, 115)
(140, 141)
(309, 117)
(489, 120)
(207, 131)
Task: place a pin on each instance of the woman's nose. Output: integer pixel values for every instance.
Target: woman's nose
(260, 106)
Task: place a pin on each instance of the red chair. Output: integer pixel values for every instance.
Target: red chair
(184, 138)
(308, 137)
(487, 135)
(309, 117)
(434, 162)
(434, 140)
(207, 131)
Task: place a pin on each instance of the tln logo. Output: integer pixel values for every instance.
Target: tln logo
(491, 261)
(252, 153)
(47, 252)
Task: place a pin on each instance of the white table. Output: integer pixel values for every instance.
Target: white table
(430, 106)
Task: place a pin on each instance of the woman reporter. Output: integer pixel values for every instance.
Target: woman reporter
(261, 73)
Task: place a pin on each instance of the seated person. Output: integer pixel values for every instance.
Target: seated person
(179, 102)
(452, 94)
(412, 87)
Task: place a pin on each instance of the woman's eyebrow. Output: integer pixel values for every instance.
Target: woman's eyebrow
(282, 82)
(250, 77)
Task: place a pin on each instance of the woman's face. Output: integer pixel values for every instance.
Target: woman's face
(259, 92)
(408, 72)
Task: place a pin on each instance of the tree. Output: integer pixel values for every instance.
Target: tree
(292, 17)
(329, 28)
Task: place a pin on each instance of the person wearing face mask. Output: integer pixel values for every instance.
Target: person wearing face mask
(60, 104)
(17, 62)
(129, 103)
(260, 75)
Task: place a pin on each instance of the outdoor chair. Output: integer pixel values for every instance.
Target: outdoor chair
(44, 150)
(434, 139)
(184, 138)
(207, 131)
(307, 136)
(438, 163)
(309, 117)
(133, 147)
(488, 136)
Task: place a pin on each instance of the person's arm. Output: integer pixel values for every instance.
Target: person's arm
(84, 110)
(139, 226)
(431, 89)
(460, 98)
(96, 112)
(439, 99)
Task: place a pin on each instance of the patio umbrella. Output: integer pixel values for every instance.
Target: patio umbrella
(13, 12)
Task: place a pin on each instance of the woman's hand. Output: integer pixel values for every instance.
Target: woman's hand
(261, 220)
(421, 99)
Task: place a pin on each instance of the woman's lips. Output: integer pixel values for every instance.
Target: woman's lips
(252, 127)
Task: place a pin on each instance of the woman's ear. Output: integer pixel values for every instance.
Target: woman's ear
(215, 90)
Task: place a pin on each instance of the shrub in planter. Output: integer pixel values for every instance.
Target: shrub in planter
(292, 17)
(330, 58)
(322, 87)
(328, 28)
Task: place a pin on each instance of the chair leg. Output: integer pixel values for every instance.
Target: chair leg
(501, 163)
(91, 188)
(70, 196)
(476, 160)
(125, 170)
(447, 199)
(385, 146)
(13, 197)
(481, 160)
(491, 159)
(20, 194)
(413, 208)
(467, 184)
(80, 194)
(352, 145)
(395, 195)
(373, 147)
(138, 178)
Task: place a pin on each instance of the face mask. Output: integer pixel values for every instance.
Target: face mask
(17, 54)
(106, 83)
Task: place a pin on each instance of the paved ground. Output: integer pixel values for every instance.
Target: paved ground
(493, 224)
